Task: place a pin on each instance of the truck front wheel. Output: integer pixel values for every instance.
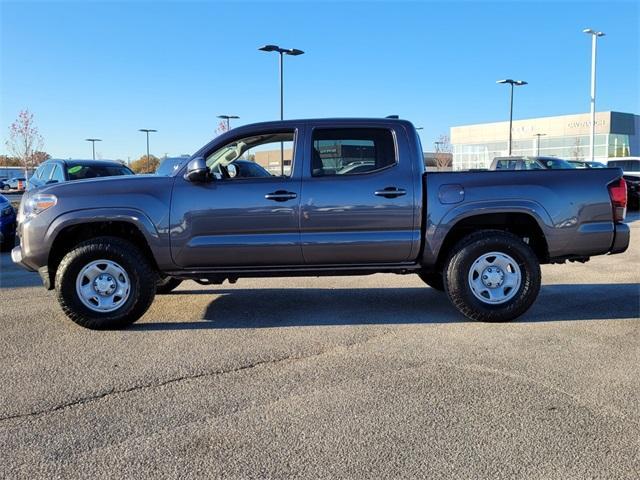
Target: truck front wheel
(433, 279)
(105, 283)
(492, 276)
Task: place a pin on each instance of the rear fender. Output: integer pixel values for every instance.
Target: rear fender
(437, 229)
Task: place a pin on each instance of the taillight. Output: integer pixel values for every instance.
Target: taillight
(618, 194)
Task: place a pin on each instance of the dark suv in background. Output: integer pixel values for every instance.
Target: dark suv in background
(529, 163)
(59, 171)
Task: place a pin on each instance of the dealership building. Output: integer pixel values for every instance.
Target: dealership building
(616, 135)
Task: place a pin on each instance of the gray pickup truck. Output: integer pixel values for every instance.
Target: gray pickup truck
(326, 197)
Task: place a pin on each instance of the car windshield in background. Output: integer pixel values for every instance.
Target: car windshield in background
(169, 166)
(80, 172)
(555, 163)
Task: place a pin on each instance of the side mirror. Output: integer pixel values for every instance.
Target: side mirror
(197, 171)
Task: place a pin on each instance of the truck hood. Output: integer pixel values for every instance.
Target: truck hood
(109, 185)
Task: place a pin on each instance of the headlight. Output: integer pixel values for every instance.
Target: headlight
(37, 204)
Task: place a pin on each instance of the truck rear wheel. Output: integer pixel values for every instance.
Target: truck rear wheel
(433, 279)
(492, 276)
(105, 283)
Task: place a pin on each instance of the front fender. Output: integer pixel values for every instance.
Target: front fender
(158, 245)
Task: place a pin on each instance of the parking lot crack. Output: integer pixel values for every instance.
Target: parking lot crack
(194, 376)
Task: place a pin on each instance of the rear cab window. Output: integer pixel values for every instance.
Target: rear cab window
(351, 151)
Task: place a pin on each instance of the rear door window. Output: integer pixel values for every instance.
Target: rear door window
(351, 151)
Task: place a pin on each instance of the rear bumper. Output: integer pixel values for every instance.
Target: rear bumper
(621, 238)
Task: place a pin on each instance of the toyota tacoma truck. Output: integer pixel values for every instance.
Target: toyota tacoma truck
(326, 197)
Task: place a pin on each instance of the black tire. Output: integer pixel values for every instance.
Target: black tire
(460, 262)
(142, 280)
(167, 285)
(8, 243)
(433, 279)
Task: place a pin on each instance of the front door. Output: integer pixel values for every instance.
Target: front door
(247, 215)
(357, 199)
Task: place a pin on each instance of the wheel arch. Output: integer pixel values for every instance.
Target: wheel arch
(525, 224)
(71, 229)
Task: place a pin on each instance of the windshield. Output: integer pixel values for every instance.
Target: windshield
(80, 172)
(170, 166)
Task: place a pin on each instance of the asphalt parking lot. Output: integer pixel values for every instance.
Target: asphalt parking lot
(353, 377)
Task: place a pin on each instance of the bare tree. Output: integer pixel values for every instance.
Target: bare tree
(222, 128)
(443, 155)
(24, 139)
(577, 150)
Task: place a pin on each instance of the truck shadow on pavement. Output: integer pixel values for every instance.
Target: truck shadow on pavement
(269, 308)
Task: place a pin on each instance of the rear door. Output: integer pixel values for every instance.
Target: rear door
(358, 198)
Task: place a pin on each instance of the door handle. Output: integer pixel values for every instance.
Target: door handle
(280, 196)
(390, 192)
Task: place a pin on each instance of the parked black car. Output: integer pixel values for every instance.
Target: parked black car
(58, 171)
(631, 168)
(7, 224)
(633, 190)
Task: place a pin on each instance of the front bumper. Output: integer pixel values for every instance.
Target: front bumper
(16, 257)
(621, 238)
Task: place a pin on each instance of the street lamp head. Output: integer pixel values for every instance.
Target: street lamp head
(287, 51)
(147, 130)
(92, 140)
(270, 48)
(228, 117)
(591, 31)
(512, 82)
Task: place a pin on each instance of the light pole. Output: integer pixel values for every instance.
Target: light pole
(594, 42)
(227, 118)
(93, 144)
(513, 83)
(147, 131)
(538, 135)
(281, 51)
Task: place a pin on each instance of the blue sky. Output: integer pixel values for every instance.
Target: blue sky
(89, 69)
